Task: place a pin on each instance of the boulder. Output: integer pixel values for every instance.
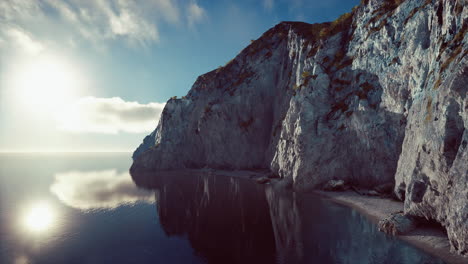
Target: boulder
(397, 224)
(334, 185)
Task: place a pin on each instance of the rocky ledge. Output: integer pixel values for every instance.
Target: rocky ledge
(378, 96)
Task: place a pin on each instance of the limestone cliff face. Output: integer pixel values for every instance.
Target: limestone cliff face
(380, 95)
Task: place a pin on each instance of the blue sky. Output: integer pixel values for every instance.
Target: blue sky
(94, 75)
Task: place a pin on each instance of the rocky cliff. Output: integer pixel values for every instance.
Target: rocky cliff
(379, 95)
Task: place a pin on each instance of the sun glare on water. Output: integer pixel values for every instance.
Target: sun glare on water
(39, 217)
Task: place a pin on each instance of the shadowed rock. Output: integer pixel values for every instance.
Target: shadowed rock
(333, 185)
(397, 224)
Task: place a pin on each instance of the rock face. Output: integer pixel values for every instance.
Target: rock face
(377, 96)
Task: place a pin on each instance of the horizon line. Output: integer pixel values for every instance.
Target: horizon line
(66, 151)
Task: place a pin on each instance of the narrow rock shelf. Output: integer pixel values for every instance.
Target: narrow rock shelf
(430, 239)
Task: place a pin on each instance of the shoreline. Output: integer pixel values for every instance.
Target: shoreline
(431, 240)
(428, 239)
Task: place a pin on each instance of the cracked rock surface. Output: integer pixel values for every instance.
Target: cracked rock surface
(378, 96)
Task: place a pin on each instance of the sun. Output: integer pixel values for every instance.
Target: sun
(46, 83)
(39, 217)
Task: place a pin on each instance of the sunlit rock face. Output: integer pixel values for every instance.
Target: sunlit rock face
(378, 96)
(419, 55)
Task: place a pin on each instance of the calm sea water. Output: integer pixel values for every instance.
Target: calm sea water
(86, 208)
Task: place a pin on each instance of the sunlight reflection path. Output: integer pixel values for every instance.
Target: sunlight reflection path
(39, 217)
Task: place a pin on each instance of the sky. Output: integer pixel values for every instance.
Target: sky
(78, 75)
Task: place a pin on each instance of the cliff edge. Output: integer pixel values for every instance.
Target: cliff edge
(377, 96)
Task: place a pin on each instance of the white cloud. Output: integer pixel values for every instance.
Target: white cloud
(97, 189)
(268, 4)
(109, 115)
(104, 20)
(168, 9)
(13, 13)
(126, 18)
(98, 21)
(23, 40)
(18, 9)
(195, 14)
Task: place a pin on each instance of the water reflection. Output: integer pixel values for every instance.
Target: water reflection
(108, 233)
(97, 189)
(287, 225)
(225, 220)
(39, 217)
(22, 260)
(198, 219)
(309, 229)
(231, 220)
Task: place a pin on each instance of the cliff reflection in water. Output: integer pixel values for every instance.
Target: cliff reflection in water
(230, 220)
(226, 220)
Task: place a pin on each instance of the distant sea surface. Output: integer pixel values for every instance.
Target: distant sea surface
(86, 208)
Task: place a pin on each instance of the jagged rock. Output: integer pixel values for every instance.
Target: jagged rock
(378, 96)
(397, 224)
(334, 185)
(148, 143)
(432, 174)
